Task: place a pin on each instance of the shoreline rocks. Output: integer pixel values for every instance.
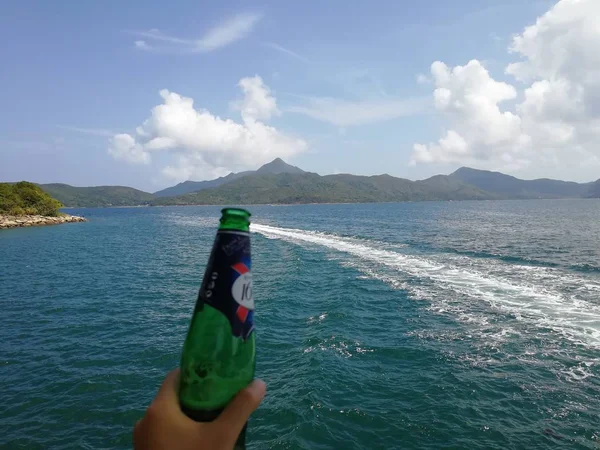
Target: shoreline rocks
(31, 221)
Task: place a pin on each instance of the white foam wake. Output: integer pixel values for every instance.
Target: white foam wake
(561, 301)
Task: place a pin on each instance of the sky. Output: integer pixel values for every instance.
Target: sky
(149, 94)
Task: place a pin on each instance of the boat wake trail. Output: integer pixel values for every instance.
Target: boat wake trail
(558, 301)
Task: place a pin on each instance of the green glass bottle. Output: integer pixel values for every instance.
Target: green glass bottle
(218, 357)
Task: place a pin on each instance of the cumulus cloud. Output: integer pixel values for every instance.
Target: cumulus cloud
(204, 145)
(125, 148)
(554, 117)
(562, 42)
(472, 100)
(225, 33)
(258, 102)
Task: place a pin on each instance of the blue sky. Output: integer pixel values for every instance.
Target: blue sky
(331, 87)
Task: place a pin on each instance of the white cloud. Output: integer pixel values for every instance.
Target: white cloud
(286, 51)
(192, 166)
(124, 147)
(470, 98)
(345, 113)
(562, 42)
(227, 32)
(556, 121)
(258, 102)
(205, 145)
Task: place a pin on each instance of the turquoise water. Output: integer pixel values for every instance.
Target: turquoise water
(417, 325)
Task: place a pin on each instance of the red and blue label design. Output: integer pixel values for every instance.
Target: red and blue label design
(227, 284)
(241, 291)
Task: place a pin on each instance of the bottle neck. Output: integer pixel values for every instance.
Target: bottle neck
(235, 219)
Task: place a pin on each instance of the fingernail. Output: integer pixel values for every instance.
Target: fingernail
(258, 386)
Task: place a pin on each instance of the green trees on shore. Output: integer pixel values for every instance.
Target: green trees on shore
(24, 198)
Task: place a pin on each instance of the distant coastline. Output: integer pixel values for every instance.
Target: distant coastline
(105, 206)
(7, 221)
(391, 202)
(278, 183)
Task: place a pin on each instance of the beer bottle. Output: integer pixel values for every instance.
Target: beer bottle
(218, 355)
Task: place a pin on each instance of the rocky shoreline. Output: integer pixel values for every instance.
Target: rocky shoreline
(31, 221)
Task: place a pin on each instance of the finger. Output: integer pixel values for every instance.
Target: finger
(237, 413)
(168, 395)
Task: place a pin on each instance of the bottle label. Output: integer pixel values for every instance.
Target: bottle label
(227, 284)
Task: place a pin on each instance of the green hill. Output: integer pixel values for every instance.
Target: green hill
(24, 198)
(274, 167)
(506, 186)
(278, 182)
(594, 190)
(312, 188)
(97, 195)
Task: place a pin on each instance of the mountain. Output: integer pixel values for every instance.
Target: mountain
(285, 188)
(97, 195)
(594, 190)
(194, 186)
(506, 186)
(280, 183)
(276, 166)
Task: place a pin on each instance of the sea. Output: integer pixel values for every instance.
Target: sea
(433, 325)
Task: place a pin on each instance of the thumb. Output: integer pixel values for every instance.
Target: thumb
(238, 411)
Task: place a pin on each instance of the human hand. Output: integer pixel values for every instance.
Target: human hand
(165, 426)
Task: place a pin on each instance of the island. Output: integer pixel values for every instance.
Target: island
(25, 204)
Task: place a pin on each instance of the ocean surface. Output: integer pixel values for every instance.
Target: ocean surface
(431, 325)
